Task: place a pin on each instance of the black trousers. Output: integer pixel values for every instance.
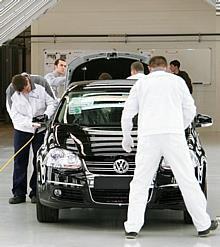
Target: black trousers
(21, 162)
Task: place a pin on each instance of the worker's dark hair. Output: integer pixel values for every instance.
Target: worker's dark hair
(57, 61)
(19, 82)
(105, 76)
(175, 63)
(138, 66)
(158, 61)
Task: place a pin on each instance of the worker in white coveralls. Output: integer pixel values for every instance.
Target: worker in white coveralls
(165, 109)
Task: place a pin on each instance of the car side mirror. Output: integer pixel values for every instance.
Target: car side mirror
(202, 120)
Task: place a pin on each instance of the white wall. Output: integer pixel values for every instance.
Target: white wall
(134, 17)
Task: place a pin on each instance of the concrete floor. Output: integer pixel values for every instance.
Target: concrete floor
(92, 227)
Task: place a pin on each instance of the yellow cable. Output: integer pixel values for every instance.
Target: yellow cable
(8, 161)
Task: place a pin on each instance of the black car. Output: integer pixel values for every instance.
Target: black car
(82, 163)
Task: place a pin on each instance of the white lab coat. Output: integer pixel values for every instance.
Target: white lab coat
(39, 101)
(165, 108)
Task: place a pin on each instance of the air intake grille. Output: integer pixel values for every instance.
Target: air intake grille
(110, 196)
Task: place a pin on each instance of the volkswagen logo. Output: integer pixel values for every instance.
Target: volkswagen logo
(120, 166)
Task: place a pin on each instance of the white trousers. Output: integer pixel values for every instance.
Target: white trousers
(175, 150)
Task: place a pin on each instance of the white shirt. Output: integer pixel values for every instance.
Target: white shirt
(163, 104)
(55, 80)
(137, 76)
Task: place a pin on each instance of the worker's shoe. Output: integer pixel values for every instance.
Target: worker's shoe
(131, 235)
(213, 227)
(33, 199)
(17, 199)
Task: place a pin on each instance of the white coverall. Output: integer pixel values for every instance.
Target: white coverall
(137, 76)
(165, 109)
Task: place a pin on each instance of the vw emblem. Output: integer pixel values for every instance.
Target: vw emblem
(121, 166)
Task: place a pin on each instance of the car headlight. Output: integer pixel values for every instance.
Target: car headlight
(61, 158)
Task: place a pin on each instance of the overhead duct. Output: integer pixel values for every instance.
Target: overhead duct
(17, 15)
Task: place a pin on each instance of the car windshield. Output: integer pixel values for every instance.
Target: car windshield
(92, 108)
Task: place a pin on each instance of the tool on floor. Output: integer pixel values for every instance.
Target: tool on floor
(37, 122)
(13, 156)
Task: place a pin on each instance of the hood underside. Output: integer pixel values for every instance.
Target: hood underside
(89, 67)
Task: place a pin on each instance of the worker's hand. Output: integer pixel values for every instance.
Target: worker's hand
(40, 119)
(36, 125)
(127, 143)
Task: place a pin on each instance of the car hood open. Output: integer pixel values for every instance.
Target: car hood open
(89, 66)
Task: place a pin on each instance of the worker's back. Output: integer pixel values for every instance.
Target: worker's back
(161, 100)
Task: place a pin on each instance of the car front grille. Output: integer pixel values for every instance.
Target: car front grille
(71, 145)
(103, 143)
(110, 196)
(103, 149)
(107, 168)
(108, 142)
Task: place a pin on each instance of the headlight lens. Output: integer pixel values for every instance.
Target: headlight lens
(61, 158)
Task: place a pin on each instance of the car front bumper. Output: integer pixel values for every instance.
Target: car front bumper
(104, 192)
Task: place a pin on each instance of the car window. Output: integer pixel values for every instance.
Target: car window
(91, 108)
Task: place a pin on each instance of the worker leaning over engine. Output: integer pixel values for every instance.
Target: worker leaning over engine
(27, 96)
(165, 109)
